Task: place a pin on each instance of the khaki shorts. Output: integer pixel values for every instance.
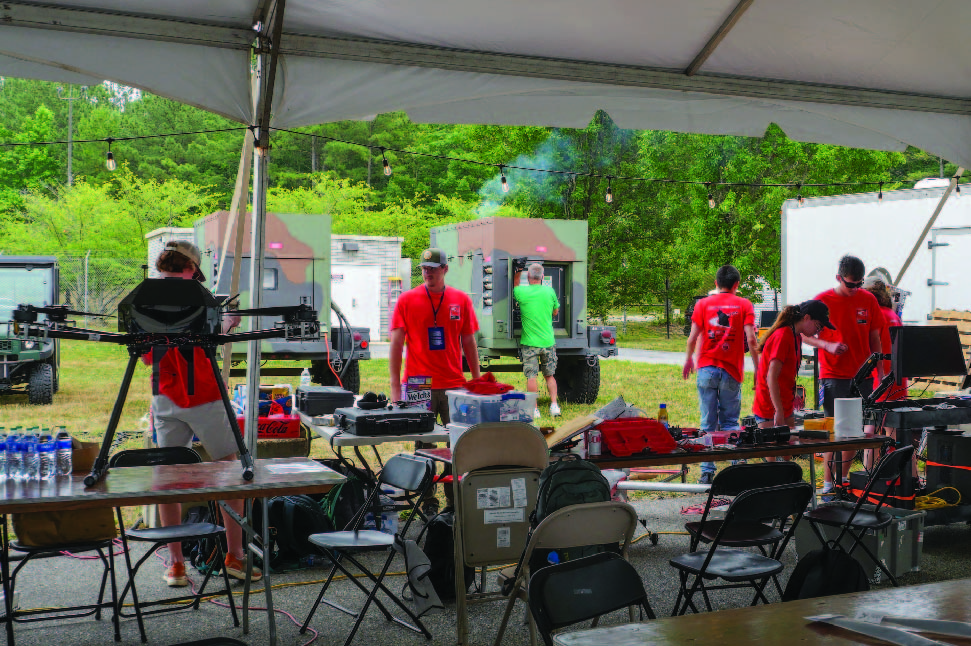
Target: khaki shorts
(532, 358)
(174, 426)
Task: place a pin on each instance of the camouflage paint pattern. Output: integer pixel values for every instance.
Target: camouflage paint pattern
(296, 269)
(476, 247)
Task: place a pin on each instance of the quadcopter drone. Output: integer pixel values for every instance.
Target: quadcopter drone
(160, 315)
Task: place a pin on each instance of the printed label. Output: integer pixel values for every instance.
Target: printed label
(518, 492)
(503, 537)
(502, 516)
(492, 497)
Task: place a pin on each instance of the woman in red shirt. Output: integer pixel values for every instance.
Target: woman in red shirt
(781, 352)
(898, 390)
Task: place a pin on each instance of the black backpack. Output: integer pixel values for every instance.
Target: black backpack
(439, 547)
(568, 481)
(825, 572)
(295, 518)
(201, 553)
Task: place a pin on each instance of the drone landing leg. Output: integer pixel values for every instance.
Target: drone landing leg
(100, 467)
(245, 458)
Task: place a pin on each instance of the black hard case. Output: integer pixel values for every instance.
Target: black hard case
(385, 421)
(322, 400)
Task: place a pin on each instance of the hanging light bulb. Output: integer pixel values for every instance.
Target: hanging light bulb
(799, 196)
(880, 193)
(711, 198)
(387, 166)
(502, 179)
(609, 197)
(957, 187)
(110, 160)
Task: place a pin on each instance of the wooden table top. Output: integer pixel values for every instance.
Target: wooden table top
(785, 623)
(170, 483)
(794, 447)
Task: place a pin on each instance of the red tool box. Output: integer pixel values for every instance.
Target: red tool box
(630, 435)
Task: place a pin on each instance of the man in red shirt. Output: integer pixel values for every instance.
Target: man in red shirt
(859, 325)
(721, 320)
(438, 324)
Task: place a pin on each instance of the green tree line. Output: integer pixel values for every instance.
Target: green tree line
(653, 240)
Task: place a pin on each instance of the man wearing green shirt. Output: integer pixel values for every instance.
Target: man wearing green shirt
(538, 306)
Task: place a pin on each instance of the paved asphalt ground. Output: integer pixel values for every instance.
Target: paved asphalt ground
(64, 580)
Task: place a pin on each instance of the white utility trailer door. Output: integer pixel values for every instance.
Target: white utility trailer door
(357, 291)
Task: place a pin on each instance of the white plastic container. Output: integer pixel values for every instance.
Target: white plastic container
(469, 408)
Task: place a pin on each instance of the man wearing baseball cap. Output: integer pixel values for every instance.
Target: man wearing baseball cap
(438, 325)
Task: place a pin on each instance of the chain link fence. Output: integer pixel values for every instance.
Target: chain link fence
(96, 283)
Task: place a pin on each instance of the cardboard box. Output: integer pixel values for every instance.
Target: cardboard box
(275, 426)
(84, 455)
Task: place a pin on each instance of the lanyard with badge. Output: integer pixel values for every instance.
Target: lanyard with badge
(436, 333)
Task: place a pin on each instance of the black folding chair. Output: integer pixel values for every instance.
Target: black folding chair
(573, 591)
(159, 536)
(410, 473)
(855, 520)
(740, 567)
(732, 481)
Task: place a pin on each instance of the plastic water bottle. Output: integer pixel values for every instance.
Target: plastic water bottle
(305, 377)
(65, 454)
(3, 457)
(311, 560)
(31, 458)
(46, 459)
(662, 415)
(15, 457)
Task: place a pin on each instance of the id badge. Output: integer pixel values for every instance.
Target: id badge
(436, 338)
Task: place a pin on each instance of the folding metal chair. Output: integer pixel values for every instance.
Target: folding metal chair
(741, 568)
(488, 456)
(587, 588)
(849, 517)
(159, 536)
(595, 523)
(410, 473)
(732, 481)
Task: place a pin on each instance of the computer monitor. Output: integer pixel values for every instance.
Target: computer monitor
(926, 351)
(767, 318)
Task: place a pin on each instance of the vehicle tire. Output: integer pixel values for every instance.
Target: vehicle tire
(321, 374)
(40, 387)
(57, 377)
(577, 382)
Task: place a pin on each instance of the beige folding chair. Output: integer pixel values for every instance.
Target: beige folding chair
(595, 523)
(496, 467)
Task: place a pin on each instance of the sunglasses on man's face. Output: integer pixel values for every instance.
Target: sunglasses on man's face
(850, 284)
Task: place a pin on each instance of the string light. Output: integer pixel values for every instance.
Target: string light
(957, 186)
(880, 193)
(799, 196)
(110, 160)
(387, 166)
(505, 184)
(711, 198)
(609, 197)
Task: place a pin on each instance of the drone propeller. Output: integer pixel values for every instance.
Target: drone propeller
(55, 313)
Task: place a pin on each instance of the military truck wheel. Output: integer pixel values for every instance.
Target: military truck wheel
(40, 387)
(577, 382)
(321, 374)
(57, 378)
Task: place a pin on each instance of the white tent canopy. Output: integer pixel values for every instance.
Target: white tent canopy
(867, 73)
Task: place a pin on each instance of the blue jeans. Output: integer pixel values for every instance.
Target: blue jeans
(720, 399)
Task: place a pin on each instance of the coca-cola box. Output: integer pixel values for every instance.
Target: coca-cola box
(275, 426)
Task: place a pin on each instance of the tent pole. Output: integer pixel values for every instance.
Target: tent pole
(236, 214)
(927, 227)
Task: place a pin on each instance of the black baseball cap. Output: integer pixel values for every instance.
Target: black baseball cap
(817, 311)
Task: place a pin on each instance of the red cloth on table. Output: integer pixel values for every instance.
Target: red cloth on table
(487, 384)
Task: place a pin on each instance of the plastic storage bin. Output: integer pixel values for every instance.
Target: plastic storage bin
(899, 545)
(469, 408)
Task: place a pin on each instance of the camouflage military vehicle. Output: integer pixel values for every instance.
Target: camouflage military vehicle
(28, 365)
(296, 270)
(481, 255)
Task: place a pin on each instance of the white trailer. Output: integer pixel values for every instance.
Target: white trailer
(882, 233)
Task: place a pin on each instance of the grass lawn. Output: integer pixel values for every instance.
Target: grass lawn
(648, 335)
